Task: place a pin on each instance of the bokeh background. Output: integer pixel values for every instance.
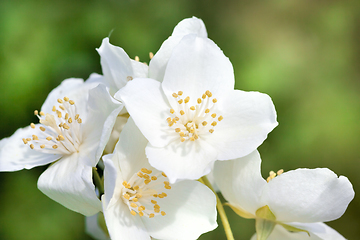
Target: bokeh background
(304, 54)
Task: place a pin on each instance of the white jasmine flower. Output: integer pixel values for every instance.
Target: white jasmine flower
(140, 203)
(195, 116)
(72, 134)
(297, 200)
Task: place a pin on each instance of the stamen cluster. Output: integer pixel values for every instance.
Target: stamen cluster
(191, 122)
(140, 192)
(60, 130)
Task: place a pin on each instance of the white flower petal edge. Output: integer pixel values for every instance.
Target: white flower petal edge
(93, 229)
(190, 108)
(318, 231)
(139, 202)
(187, 26)
(302, 195)
(69, 182)
(118, 68)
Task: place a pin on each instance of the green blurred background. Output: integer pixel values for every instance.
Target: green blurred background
(304, 54)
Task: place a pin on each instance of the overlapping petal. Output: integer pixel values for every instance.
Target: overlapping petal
(159, 62)
(240, 181)
(198, 65)
(188, 160)
(188, 214)
(70, 183)
(308, 195)
(15, 155)
(147, 104)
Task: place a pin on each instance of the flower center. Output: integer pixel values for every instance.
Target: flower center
(273, 174)
(191, 122)
(141, 192)
(60, 131)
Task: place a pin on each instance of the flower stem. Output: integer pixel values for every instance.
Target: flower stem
(220, 208)
(98, 182)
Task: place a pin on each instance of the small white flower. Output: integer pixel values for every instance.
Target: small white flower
(298, 200)
(139, 202)
(195, 116)
(72, 134)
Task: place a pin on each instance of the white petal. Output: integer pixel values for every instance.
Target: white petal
(140, 70)
(129, 153)
(70, 183)
(111, 174)
(159, 62)
(93, 229)
(240, 181)
(115, 64)
(182, 160)
(102, 112)
(190, 209)
(146, 103)
(192, 25)
(280, 233)
(76, 89)
(308, 195)
(197, 65)
(15, 155)
(319, 230)
(122, 225)
(66, 86)
(247, 119)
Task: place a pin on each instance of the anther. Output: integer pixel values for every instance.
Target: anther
(32, 146)
(42, 146)
(187, 99)
(66, 99)
(182, 134)
(172, 111)
(71, 102)
(177, 129)
(32, 125)
(54, 109)
(42, 113)
(199, 100)
(174, 95)
(214, 124)
(182, 112)
(163, 213)
(192, 108)
(213, 115)
(203, 96)
(42, 128)
(36, 112)
(192, 139)
(48, 138)
(137, 58)
(61, 107)
(164, 175)
(133, 212)
(151, 55)
(35, 137)
(151, 215)
(126, 196)
(214, 100)
(220, 118)
(180, 101)
(211, 130)
(141, 214)
(54, 146)
(204, 123)
(208, 93)
(79, 120)
(133, 205)
(207, 110)
(180, 93)
(24, 140)
(66, 116)
(60, 100)
(182, 139)
(70, 120)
